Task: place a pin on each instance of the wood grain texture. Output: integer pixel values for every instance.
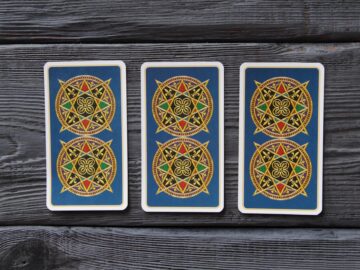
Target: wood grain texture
(38, 248)
(22, 131)
(48, 21)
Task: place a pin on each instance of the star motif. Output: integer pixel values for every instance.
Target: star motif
(182, 106)
(281, 107)
(280, 169)
(182, 167)
(85, 105)
(86, 166)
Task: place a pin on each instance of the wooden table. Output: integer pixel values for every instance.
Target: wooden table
(232, 32)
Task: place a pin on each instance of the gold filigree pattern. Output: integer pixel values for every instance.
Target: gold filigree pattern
(86, 166)
(182, 168)
(280, 169)
(281, 107)
(182, 106)
(85, 105)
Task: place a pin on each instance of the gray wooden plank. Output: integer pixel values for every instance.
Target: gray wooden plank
(22, 137)
(183, 21)
(37, 248)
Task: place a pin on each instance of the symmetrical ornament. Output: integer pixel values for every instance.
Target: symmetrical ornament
(86, 166)
(281, 107)
(182, 106)
(280, 169)
(85, 105)
(182, 167)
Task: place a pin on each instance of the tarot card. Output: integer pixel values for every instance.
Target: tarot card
(281, 138)
(86, 135)
(182, 137)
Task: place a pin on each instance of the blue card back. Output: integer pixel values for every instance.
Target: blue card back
(281, 123)
(86, 135)
(182, 121)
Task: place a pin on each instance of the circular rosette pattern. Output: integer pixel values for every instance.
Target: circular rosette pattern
(86, 166)
(280, 169)
(182, 167)
(281, 107)
(182, 106)
(85, 105)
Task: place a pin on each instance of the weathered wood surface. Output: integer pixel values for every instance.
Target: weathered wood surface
(38, 248)
(55, 21)
(22, 131)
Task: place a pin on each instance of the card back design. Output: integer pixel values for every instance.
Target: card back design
(182, 137)
(281, 123)
(182, 106)
(281, 107)
(86, 135)
(280, 169)
(85, 105)
(183, 167)
(86, 166)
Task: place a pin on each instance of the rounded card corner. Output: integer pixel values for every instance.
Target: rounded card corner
(242, 209)
(320, 67)
(50, 206)
(318, 211)
(121, 64)
(244, 66)
(219, 208)
(123, 206)
(145, 66)
(145, 207)
(219, 65)
(47, 67)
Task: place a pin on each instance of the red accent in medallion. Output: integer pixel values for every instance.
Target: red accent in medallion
(84, 87)
(280, 187)
(281, 125)
(182, 87)
(182, 124)
(280, 151)
(182, 149)
(281, 88)
(86, 148)
(85, 122)
(183, 185)
(87, 183)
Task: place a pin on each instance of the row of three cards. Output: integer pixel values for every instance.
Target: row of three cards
(280, 158)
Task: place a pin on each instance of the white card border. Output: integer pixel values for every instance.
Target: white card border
(190, 209)
(241, 205)
(123, 90)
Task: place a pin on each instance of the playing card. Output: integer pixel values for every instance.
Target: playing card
(281, 138)
(182, 137)
(86, 135)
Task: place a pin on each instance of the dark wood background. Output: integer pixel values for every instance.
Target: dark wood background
(232, 32)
